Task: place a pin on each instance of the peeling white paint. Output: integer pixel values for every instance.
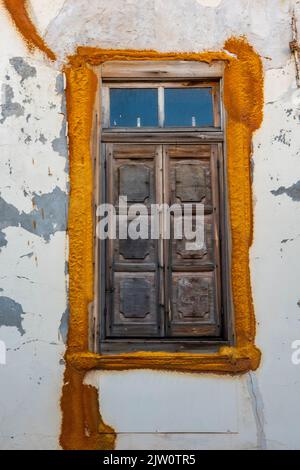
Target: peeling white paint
(31, 268)
(165, 402)
(260, 410)
(43, 11)
(37, 167)
(280, 81)
(187, 25)
(209, 3)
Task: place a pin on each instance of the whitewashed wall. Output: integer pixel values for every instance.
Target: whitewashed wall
(155, 410)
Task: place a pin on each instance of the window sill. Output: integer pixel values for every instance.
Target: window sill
(192, 346)
(232, 360)
(144, 135)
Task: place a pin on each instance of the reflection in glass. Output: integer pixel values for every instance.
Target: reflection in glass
(133, 107)
(188, 107)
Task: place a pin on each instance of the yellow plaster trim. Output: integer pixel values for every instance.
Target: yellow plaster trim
(243, 98)
(18, 10)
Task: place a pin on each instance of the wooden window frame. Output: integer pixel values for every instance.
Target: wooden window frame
(191, 82)
(242, 118)
(113, 75)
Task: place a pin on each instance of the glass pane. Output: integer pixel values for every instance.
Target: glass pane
(133, 107)
(188, 107)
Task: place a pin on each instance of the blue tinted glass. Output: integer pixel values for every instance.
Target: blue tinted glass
(188, 107)
(133, 107)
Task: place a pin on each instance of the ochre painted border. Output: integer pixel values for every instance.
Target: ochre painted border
(18, 10)
(82, 425)
(243, 98)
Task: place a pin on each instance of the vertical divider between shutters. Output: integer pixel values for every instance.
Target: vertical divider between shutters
(160, 241)
(166, 242)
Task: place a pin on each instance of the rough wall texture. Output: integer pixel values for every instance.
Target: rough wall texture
(260, 409)
(33, 243)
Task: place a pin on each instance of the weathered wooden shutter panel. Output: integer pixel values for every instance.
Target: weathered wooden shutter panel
(193, 278)
(133, 288)
(190, 182)
(184, 259)
(134, 182)
(159, 289)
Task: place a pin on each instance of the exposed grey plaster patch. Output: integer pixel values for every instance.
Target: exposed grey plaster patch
(10, 108)
(59, 144)
(8, 163)
(68, 182)
(28, 140)
(283, 137)
(9, 214)
(22, 68)
(28, 117)
(26, 279)
(1, 290)
(27, 255)
(258, 409)
(42, 139)
(285, 240)
(59, 84)
(48, 216)
(27, 100)
(26, 342)
(3, 241)
(11, 313)
(298, 303)
(64, 325)
(292, 191)
(252, 169)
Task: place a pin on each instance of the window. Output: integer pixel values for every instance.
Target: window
(162, 144)
(163, 106)
(133, 107)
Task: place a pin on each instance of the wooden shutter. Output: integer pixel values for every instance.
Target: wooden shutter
(192, 280)
(158, 288)
(133, 304)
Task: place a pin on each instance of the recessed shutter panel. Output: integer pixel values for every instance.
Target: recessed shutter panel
(193, 278)
(133, 289)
